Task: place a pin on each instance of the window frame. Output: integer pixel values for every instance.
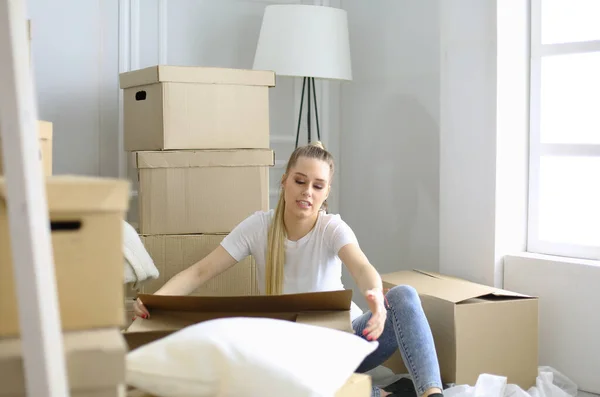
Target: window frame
(537, 149)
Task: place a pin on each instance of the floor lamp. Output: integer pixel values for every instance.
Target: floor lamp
(305, 41)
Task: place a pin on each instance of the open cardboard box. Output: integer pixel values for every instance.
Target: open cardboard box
(171, 313)
(476, 328)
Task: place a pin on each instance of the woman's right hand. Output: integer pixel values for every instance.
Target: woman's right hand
(139, 309)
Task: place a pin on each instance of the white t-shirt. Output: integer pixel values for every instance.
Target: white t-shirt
(312, 263)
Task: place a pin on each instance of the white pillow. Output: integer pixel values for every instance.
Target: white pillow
(247, 357)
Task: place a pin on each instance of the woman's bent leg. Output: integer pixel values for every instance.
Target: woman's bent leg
(406, 329)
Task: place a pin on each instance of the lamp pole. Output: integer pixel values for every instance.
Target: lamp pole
(310, 82)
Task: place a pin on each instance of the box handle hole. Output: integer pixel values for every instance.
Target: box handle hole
(61, 226)
(140, 96)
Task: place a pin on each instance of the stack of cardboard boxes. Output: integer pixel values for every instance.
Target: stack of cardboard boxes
(199, 140)
(85, 222)
(85, 225)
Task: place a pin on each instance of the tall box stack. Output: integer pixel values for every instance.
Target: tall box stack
(199, 140)
(86, 217)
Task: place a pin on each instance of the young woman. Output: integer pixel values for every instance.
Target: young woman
(298, 248)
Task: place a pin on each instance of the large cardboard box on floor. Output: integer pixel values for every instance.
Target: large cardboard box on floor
(95, 364)
(174, 253)
(477, 329)
(45, 141)
(86, 216)
(201, 191)
(171, 313)
(184, 107)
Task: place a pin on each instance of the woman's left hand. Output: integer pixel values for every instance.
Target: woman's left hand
(376, 323)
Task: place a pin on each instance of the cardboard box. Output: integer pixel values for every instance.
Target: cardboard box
(45, 141)
(171, 313)
(183, 107)
(174, 253)
(477, 329)
(358, 385)
(86, 216)
(129, 313)
(201, 191)
(95, 361)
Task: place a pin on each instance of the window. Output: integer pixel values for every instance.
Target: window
(564, 203)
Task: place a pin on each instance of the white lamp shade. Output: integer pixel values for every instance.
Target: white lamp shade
(304, 41)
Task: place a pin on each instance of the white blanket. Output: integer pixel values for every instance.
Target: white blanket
(139, 266)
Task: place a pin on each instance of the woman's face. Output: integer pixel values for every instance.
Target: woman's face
(306, 187)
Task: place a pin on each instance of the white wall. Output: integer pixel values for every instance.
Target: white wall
(483, 181)
(467, 138)
(79, 49)
(389, 135)
(483, 135)
(75, 60)
(569, 303)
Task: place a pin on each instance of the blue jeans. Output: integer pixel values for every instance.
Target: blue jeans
(406, 328)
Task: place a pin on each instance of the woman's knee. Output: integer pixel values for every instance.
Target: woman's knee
(403, 295)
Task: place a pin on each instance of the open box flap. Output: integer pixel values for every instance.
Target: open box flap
(446, 287)
(314, 301)
(171, 313)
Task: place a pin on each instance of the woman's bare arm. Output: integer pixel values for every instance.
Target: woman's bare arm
(188, 280)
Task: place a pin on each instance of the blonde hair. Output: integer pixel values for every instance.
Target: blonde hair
(277, 234)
